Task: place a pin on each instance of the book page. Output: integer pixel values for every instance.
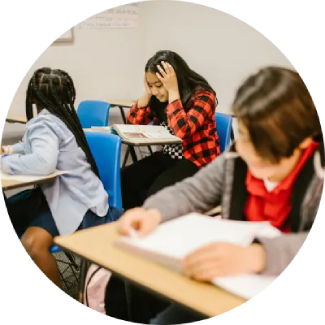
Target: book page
(135, 135)
(144, 131)
(245, 286)
(107, 129)
(127, 128)
(172, 241)
(181, 236)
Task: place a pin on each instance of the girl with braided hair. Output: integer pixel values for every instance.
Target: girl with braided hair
(54, 139)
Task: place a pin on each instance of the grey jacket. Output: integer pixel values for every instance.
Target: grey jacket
(214, 185)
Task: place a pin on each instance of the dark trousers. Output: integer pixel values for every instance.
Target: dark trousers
(128, 302)
(151, 174)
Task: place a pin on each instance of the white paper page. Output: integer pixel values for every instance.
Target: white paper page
(151, 131)
(129, 128)
(245, 286)
(102, 128)
(179, 237)
(157, 135)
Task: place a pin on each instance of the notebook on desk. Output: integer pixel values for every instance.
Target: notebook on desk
(172, 241)
(141, 134)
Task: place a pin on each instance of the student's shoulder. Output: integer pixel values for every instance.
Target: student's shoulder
(47, 122)
(199, 91)
(202, 95)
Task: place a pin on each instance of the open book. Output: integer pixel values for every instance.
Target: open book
(172, 241)
(141, 134)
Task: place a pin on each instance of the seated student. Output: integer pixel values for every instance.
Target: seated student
(54, 139)
(274, 173)
(182, 101)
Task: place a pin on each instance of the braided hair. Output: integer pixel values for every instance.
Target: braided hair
(55, 91)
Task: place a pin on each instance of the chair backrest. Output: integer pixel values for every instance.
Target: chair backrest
(224, 127)
(93, 113)
(106, 149)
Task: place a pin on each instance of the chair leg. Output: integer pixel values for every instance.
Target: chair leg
(82, 280)
(130, 150)
(69, 265)
(72, 260)
(122, 114)
(126, 157)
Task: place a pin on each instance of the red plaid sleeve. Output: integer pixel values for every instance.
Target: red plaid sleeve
(139, 115)
(185, 124)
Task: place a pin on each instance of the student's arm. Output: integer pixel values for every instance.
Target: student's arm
(18, 148)
(280, 251)
(139, 115)
(199, 193)
(43, 157)
(185, 124)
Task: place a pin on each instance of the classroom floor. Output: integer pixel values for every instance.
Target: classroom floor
(69, 274)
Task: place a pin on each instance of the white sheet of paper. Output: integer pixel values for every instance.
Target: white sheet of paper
(245, 286)
(172, 241)
(183, 235)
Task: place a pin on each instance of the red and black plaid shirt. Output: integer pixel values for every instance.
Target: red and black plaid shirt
(197, 127)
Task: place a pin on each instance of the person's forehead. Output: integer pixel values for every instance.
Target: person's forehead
(152, 78)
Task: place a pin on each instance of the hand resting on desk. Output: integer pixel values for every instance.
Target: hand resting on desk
(213, 260)
(141, 220)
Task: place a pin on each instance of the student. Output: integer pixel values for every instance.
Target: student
(54, 139)
(274, 173)
(182, 101)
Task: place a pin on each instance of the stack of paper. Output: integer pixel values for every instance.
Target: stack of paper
(172, 241)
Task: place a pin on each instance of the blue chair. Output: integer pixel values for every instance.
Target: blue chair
(93, 113)
(224, 129)
(106, 150)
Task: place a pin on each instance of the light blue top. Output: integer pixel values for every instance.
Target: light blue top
(47, 145)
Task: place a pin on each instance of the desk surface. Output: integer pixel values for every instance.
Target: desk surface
(122, 103)
(97, 245)
(12, 184)
(16, 118)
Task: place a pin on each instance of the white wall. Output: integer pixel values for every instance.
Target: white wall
(220, 47)
(104, 64)
(108, 64)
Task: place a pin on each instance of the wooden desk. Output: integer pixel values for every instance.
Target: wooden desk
(16, 118)
(122, 103)
(97, 245)
(12, 184)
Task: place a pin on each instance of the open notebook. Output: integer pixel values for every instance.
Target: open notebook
(172, 241)
(141, 134)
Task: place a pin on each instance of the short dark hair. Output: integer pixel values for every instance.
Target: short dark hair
(276, 108)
